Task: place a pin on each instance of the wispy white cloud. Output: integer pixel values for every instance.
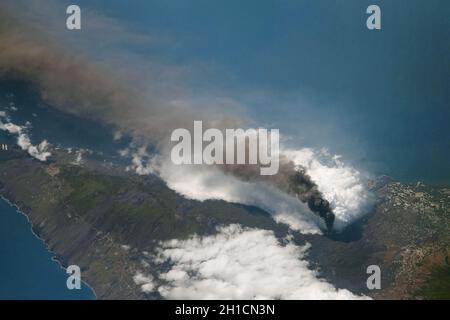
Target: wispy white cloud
(23, 140)
(140, 161)
(144, 281)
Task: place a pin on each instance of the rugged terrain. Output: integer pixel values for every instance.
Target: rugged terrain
(407, 235)
(104, 219)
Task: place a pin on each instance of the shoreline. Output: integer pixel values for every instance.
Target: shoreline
(53, 254)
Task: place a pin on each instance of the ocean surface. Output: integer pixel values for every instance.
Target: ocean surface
(27, 270)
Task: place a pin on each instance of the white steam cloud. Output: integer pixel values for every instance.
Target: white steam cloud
(237, 263)
(201, 182)
(343, 186)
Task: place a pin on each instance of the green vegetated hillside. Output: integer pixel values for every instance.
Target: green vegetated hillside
(103, 219)
(87, 217)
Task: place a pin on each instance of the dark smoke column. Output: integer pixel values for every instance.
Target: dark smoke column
(294, 181)
(305, 190)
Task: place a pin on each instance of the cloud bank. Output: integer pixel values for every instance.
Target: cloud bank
(237, 263)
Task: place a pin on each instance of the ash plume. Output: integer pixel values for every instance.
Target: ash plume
(75, 85)
(292, 179)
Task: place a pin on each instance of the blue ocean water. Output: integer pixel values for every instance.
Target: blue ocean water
(314, 70)
(27, 270)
